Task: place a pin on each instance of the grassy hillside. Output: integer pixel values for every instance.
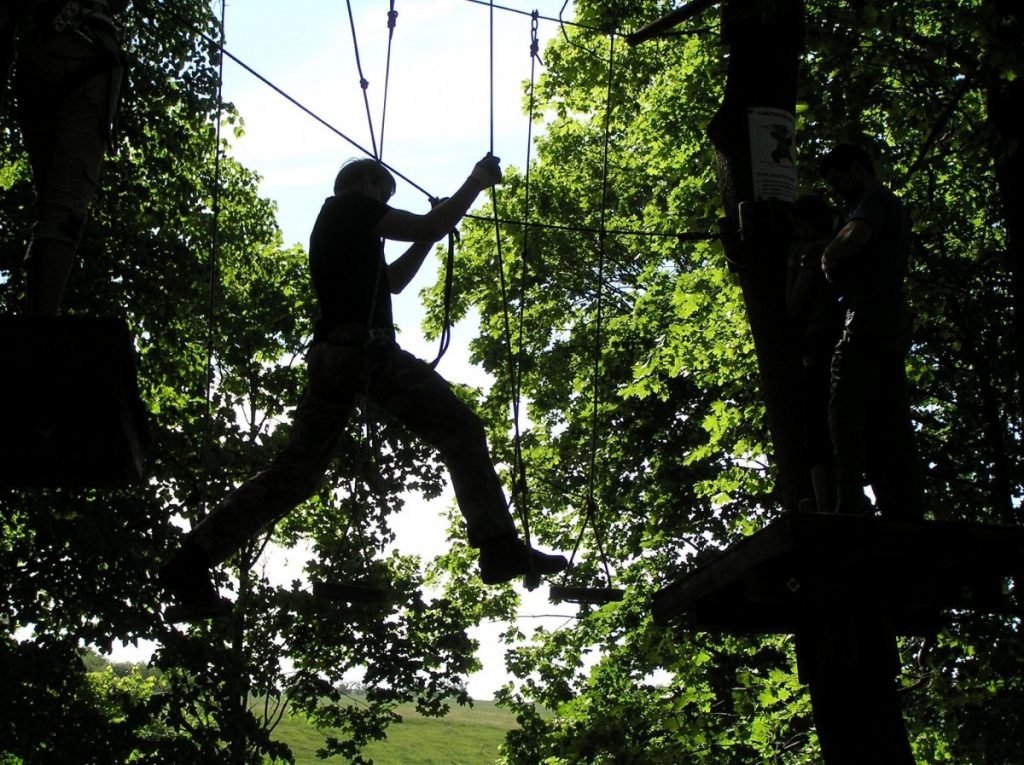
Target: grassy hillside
(465, 737)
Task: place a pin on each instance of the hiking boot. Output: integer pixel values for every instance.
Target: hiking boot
(187, 577)
(503, 559)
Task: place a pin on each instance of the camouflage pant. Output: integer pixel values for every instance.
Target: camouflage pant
(339, 369)
(66, 98)
(869, 419)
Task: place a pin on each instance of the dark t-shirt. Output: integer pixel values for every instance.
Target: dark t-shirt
(876, 273)
(346, 261)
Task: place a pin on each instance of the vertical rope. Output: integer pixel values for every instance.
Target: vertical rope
(601, 237)
(363, 82)
(516, 382)
(365, 447)
(520, 497)
(534, 58)
(392, 20)
(214, 259)
(492, 73)
(591, 512)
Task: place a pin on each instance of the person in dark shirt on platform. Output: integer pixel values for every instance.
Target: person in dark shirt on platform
(869, 411)
(354, 353)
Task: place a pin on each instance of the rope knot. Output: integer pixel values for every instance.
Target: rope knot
(534, 41)
(364, 83)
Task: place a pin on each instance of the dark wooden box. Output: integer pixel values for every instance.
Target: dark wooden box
(72, 413)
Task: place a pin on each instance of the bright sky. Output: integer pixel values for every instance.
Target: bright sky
(437, 127)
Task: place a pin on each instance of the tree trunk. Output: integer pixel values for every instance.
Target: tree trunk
(752, 133)
(1004, 97)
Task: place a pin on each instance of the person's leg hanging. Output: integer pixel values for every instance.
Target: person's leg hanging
(423, 400)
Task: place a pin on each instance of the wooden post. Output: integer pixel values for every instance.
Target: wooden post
(752, 132)
(845, 586)
(849, 661)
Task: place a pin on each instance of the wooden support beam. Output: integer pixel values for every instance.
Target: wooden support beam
(780, 579)
(72, 415)
(591, 595)
(669, 20)
(349, 593)
(846, 586)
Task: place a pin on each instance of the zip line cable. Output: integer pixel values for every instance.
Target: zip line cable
(491, 89)
(686, 236)
(214, 258)
(521, 12)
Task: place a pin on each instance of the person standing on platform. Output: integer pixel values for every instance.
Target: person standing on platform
(869, 410)
(354, 353)
(812, 302)
(67, 78)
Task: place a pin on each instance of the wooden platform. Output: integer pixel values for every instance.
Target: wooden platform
(72, 414)
(781, 578)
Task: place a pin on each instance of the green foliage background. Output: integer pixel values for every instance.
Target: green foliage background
(681, 464)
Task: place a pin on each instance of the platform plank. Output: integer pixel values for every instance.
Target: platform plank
(784, 576)
(72, 416)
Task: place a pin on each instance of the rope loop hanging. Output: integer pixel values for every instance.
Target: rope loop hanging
(449, 290)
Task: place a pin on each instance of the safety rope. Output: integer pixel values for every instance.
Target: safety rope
(363, 82)
(392, 21)
(590, 517)
(520, 496)
(534, 58)
(211, 315)
(524, 258)
(364, 464)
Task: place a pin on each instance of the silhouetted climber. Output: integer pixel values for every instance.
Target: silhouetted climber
(869, 412)
(813, 303)
(354, 352)
(67, 78)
